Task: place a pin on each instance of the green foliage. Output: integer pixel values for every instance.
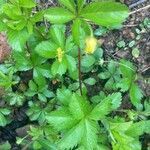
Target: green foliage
(57, 69)
(3, 113)
(128, 83)
(80, 126)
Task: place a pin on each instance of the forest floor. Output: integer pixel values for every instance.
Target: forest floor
(131, 42)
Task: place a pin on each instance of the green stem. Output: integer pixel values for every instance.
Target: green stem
(79, 70)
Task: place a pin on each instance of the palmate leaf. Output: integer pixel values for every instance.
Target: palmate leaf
(110, 103)
(105, 13)
(77, 123)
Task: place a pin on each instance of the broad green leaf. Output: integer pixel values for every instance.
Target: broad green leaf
(125, 143)
(80, 4)
(124, 84)
(90, 81)
(58, 15)
(63, 96)
(5, 111)
(89, 139)
(6, 80)
(3, 120)
(15, 14)
(127, 69)
(46, 144)
(23, 62)
(57, 34)
(5, 146)
(87, 28)
(17, 25)
(105, 13)
(139, 128)
(108, 104)
(17, 39)
(104, 75)
(68, 3)
(120, 127)
(87, 61)
(44, 70)
(71, 63)
(135, 95)
(76, 31)
(59, 67)
(27, 3)
(61, 119)
(46, 49)
(78, 106)
(15, 99)
(72, 137)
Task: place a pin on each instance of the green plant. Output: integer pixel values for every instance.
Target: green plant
(74, 97)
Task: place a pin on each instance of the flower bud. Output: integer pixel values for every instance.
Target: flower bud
(91, 44)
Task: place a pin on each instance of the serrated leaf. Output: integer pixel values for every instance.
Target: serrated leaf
(139, 128)
(27, 3)
(58, 15)
(127, 69)
(17, 39)
(72, 137)
(78, 106)
(87, 61)
(63, 96)
(105, 13)
(68, 3)
(135, 95)
(3, 120)
(46, 49)
(61, 119)
(71, 63)
(76, 27)
(90, 81)
(80, 4)
(107, 105)
(57, 33)
(23, 62)
(89, 140)
(59, 67)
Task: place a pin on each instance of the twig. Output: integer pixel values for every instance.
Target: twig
(130, 25)
(79, 70)
(140, 9)
(137, 3)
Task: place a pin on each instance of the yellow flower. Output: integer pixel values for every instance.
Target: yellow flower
(91, 44)
(60, 54)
